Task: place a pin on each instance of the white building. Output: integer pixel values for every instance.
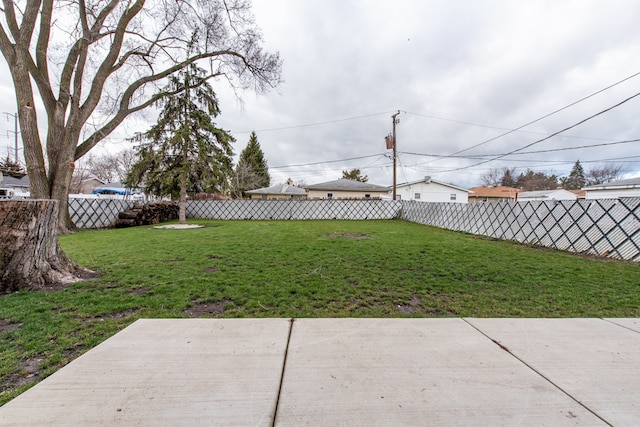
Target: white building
(543, 195)
(614, 189)
(430, 190)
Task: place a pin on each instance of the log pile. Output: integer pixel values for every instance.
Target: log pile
(151, 213)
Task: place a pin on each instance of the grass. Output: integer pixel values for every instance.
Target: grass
(296, 269)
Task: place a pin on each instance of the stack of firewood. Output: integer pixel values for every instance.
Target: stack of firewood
(151, 213)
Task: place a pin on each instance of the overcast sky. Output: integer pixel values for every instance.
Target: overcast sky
(461, 73)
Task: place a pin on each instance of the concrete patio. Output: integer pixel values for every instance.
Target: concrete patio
(364, 372)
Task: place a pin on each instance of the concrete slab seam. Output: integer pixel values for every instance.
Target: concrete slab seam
(503, 347)
(619, 325)
(282, 371)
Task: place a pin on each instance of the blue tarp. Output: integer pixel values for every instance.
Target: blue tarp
(113, 190)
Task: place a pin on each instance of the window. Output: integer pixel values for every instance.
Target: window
(416, 196)
(452, 197)
(367, 196)
(329, 195)
(263, 196)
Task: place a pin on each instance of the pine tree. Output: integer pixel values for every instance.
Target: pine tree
(576, 179)
(508, 178)
(12, 168)
(184, 152)
(251, 171)
(355, 174)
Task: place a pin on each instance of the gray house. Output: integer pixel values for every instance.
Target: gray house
(277, 192)
(11, 187)
(346, 189)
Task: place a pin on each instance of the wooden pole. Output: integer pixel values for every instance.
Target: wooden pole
(394, 153)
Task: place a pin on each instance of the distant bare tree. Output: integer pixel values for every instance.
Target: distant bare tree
(605, 173)
(244, 178)
(492, 177)
(125, 160)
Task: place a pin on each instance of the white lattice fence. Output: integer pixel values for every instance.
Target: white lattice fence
(601, 227)
(97, 213)
(293, 209)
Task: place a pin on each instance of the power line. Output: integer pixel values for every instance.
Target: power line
(546, 115)
(480, 156)
(550, 136)
(317, 123)
(324, 162)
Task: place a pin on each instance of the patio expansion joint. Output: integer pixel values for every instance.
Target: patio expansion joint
(282, 371)
(621, 326)
(537, 372)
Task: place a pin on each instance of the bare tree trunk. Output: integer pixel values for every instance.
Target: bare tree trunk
(30, 257)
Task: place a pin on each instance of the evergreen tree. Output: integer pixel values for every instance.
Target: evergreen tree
(508, 178)
(251, 171)
(533, 181)
(184, 152)
(12, 168)
(355, 175)
(576, 179)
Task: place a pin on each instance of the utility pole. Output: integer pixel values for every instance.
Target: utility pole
(395, 122)
(15, 134)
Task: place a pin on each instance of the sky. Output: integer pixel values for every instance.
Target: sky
(465, 77)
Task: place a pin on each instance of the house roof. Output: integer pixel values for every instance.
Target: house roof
(346, 185)
(279, 189)
(9, 181)
(428, 180)
(499, 191)
(624, 183)
(540, 193)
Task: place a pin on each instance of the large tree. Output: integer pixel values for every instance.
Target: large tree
(251, 171)
(95, 62)
(185, 151)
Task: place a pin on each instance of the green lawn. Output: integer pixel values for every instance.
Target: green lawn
(297, 269)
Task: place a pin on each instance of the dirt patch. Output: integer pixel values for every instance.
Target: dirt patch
(349, 235)
(140, 290)
(115, 315)
(206, 309)
(28, 372)
(411, 307)
(6, 326)
(214, 257)
(98, 286)
(210, 270)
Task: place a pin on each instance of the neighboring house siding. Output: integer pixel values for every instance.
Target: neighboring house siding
(612, 193)
(338, 194)
(614, 189)
(546, 195)
(429, 190)
(346, 189)
(498, 194)
(277, 196)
